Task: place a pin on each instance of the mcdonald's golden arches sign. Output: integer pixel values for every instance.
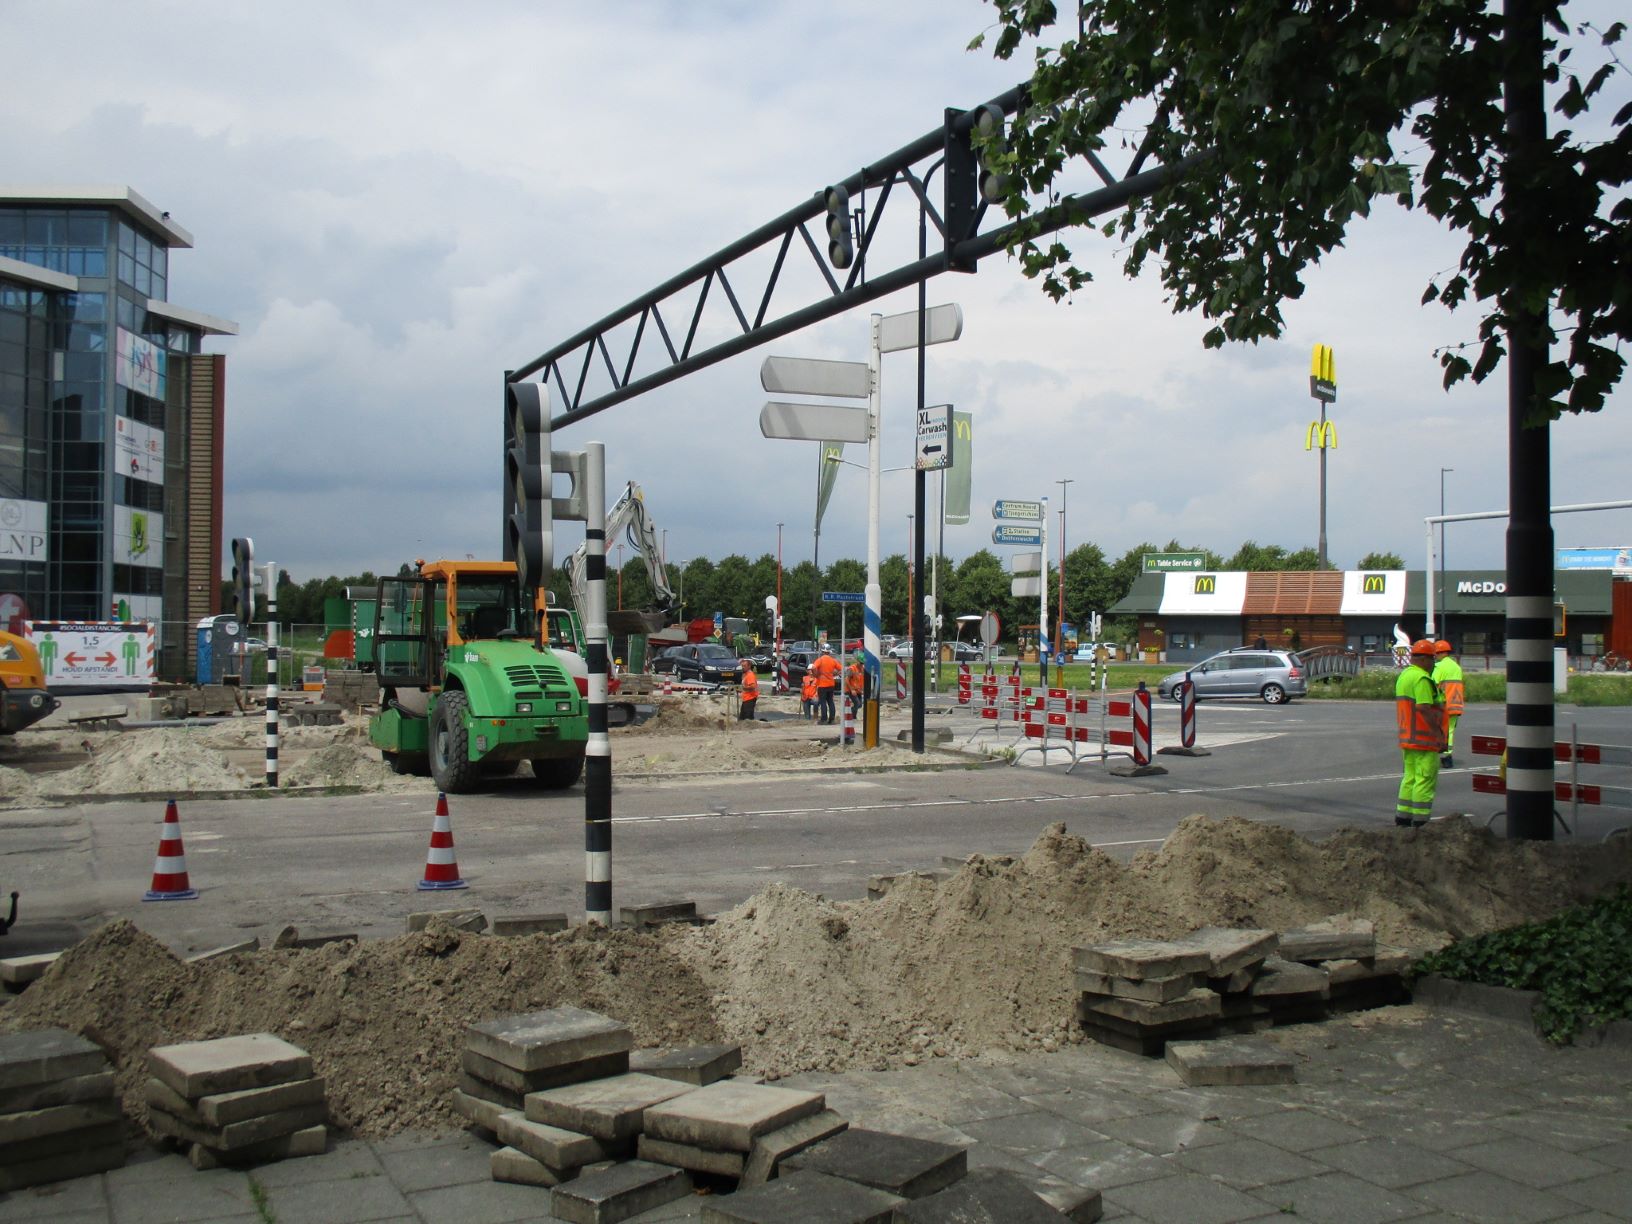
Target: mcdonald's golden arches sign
(1206, 584)
(1374, 584)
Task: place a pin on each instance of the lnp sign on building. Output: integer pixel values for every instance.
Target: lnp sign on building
(22, 530)
(1175, 562)
(934, 438)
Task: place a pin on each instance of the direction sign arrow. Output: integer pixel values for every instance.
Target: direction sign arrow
(108, 659)
(810, 376)
(813, 422)
(1005, 533)
(72, 659)
(1024, 511)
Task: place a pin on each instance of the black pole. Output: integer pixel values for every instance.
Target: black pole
(915, 612)
(1529, 526)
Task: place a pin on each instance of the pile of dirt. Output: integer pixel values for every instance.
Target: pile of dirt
(978, 963)
(138, 762)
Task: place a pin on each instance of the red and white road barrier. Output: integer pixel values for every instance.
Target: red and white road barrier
(966, 685)
(1141, 725)
(1572, 791)
(900, 681)
(1187, 713)
(782, 673)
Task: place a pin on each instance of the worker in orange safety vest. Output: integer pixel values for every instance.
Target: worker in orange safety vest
(827, 670)
(1420, 716)
(1448, 676)
(807, 695)
(750, 692)
(855, 684)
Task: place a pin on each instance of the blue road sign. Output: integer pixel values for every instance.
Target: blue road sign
(1024, 511)
(1014, 533)
(843, 597)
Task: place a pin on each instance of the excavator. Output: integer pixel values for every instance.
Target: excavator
(628, 520)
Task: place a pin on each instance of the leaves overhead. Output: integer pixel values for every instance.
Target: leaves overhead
(1305, 114)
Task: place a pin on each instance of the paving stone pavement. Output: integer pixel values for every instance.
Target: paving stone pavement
(1398, 1114)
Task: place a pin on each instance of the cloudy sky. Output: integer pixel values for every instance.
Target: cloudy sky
(398, 201)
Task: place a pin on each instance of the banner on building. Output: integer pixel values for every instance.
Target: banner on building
(1617, 560)
(138, 450)
(139, 364)
(94, 654)
(958, 477)
(22, 530)
(138, 537)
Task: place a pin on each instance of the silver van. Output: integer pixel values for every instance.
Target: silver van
(1273, 675)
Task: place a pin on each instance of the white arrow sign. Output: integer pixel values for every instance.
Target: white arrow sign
(900, 331)
(809, 376)
(813, 422)
(934, 438)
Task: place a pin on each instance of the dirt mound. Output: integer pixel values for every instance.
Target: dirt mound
(979, 962)
(141, 761)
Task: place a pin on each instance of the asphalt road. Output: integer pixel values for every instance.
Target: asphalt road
(352, 863)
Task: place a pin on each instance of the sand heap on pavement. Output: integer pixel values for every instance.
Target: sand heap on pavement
(978, 963)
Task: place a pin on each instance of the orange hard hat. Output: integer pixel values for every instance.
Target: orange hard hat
(1422, 646)
(1442, 647)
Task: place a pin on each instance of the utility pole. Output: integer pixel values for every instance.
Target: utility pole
(1059, 614)
(776, 629)
(1442, 472)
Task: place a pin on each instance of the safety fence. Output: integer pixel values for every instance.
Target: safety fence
(1571, 790)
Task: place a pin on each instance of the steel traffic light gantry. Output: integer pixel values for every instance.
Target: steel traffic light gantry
(991, 143)
(527, 521)
(841, 251)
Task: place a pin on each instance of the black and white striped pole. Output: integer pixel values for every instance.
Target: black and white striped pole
(271, 579)
(598, 751)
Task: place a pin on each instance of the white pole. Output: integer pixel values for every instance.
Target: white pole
(1042, 596)
(872, 617)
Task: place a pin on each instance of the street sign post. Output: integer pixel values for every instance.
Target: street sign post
(1017, 511)
(813, 422)
(810, 376)
(1017, 533)
(934, 438)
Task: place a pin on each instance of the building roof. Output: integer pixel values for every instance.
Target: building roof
(192, 318)
(1349, 593)
(121, 199)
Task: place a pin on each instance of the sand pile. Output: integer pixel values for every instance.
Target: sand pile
(136, 762)
(977, 963)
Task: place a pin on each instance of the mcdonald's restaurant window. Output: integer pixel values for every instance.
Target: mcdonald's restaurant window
(1180, 641)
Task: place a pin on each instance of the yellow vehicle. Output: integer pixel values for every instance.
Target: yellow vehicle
(23, 699)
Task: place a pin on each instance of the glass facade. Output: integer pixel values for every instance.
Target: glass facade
(92, 420)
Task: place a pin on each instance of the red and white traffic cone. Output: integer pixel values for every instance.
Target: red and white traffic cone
(170, 881)
(441, 867)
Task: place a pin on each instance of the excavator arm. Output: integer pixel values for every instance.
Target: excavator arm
(627, 520)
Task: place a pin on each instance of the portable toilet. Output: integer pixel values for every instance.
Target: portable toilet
(217, 658)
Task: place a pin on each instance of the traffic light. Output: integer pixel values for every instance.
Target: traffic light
(243, 580)
(841, 253)
(990, 144)
(527, 520)
(960, 190)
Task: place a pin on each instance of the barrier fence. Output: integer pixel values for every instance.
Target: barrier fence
(1573, 791)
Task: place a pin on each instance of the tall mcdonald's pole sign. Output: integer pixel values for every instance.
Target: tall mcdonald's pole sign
(1322, 434)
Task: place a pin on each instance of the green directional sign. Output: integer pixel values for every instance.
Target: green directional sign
(1175, 562)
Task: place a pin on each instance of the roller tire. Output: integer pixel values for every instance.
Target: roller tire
(559, 773)
(451, 766)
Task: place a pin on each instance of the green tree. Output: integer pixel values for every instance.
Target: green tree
(1304, 559)
(1087, 583)
(1292, 114)
(980, 585)
(1252, 556)
(1380, 561)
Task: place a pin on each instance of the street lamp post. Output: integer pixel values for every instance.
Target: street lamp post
(1059, 610)
(776, 629)
(1442, 617)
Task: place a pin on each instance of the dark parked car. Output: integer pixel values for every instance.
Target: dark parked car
(798, 664)
(663, 660)
(709, 662)
(1273, 675)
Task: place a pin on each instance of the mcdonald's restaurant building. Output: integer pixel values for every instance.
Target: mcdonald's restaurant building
(1193, 615)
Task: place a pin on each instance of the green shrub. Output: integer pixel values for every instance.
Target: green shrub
(1601, 690)
(1580, 961)
(1377, 684)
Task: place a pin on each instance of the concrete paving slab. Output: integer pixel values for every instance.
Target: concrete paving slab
(897, 1164)
(44, 1056)
(357, 1199)
(1036, 1131)
(551, 1145)
(310, 1141)
(482, 1112)
(1246, 1164)
(23, 1151)
(1336, 938)
(344, 1162)
(228, 1064)
(609, 1109)
(224, 1108)
(985, 1196)
(729, 1115)
(1390, 1163)
(54, 1119)
(1141, 958)
(444, 1161)
(21, 970)
(1163, 1134)
(1199, 1004)
(697, 1065)
(1186, 1197)
(1280, 978)
(62, 1202)
(550, 1038)
(459, 919)
(614, 1195)
(1229, 1061)
(488, 1202)
(514, 1166)
(107, 1151)
(1232, 949)
(767, 1151)
(238, 1134)
(482, 1090)
(1487, 1197)
(1338, 1198)
(523, 1082)
(1149, 990)
(813, 1198)
(74, 1090)
(195, 1196)
(529, 924)
(1609, 1192)
(690, 1157)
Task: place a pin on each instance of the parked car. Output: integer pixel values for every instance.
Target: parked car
(1273, 675)
(763, 657)
(902, 649)
(709, 662)
(663, 660)
(798, 664)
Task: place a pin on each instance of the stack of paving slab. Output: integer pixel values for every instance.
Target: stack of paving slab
(16, 972)
(59, 1110)
(237, 1100)
(1139, 994)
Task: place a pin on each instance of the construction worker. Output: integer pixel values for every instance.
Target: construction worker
(1448, 676)
(750, 692)
(807, 695)
(855, 684)
(1421, 721)
(827, 669)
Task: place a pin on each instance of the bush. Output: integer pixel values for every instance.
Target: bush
(1377, 684)
(1580, 961)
